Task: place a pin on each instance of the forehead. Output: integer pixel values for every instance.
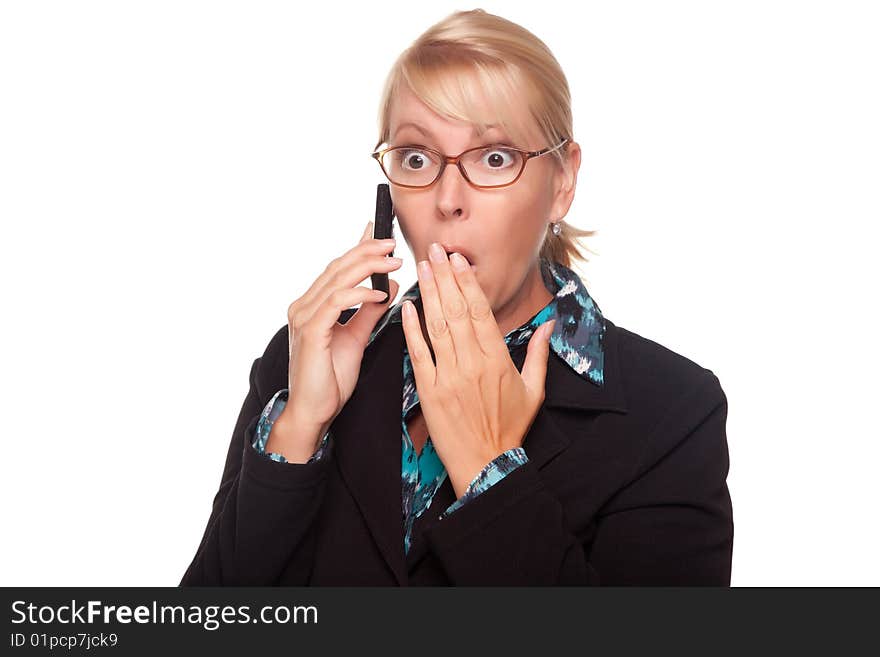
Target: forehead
(407, 111)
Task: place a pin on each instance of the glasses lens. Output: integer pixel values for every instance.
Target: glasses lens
(492, 165)
(486, 167)
(411, 166)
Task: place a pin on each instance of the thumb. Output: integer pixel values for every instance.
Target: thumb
(534, 370)
(364, 320)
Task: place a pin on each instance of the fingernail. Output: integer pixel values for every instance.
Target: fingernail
(368, 230)
(459, 262)
(436, 252)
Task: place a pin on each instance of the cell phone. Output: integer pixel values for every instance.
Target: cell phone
(382, 229)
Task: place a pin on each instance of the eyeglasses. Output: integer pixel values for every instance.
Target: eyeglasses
(484, 167)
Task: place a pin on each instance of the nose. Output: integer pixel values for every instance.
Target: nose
(451, 188)
(452, 171)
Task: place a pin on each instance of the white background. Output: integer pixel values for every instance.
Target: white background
(165, 193)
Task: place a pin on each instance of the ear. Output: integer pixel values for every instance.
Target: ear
(565, 180)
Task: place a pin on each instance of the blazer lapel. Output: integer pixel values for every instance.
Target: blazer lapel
(367, 447)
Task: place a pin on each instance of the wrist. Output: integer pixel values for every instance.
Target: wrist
(294, 438)
(488, 470)
(462, 475)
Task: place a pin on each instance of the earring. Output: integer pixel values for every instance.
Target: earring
(557, 228)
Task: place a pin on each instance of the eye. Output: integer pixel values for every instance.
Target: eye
(498, 158)
(413, 159)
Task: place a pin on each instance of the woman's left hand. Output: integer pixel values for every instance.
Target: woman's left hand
(475, 403)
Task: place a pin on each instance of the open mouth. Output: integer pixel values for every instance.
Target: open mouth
(451, 248)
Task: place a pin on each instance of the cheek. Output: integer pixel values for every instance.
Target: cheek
(489, 288)
(493, 273)
(405, 228)
(514, 242)
(412, 231)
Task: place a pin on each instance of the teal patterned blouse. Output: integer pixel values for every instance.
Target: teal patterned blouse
(577, 339)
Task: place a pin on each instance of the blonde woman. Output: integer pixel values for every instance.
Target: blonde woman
(491, 427)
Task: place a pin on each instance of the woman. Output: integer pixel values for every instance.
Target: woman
(537, 442)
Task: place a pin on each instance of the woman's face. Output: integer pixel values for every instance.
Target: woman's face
(499, 230)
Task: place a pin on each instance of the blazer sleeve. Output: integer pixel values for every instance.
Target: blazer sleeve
(263, 511)
(671, 525)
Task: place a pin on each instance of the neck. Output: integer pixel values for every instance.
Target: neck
(528, 300)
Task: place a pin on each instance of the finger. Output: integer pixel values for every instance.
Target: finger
(356, 267)
(363, 322)
(483, 322)
(365, 245)
(455, 309)
(348, 270)
(420, 356)
(435, 321)
(534, 370)
(325, 317)
(347, 264)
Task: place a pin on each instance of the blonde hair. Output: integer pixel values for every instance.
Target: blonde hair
(471, 55)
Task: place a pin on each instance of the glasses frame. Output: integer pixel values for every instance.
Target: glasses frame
(447, 159)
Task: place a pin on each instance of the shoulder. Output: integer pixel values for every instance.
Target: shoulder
(669, 396)
(650, 370)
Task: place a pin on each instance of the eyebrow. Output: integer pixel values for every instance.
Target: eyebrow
(476, 132)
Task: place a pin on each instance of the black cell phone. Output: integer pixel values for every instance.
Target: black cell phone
(382, 230)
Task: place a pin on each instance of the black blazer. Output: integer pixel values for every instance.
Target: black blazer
(625, 484)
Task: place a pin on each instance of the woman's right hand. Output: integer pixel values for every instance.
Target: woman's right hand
(325, 356)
